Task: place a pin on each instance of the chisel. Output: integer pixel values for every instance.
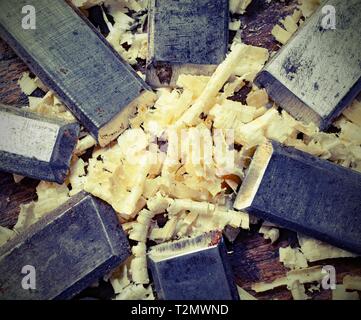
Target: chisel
(35, 146)
(318, 73)
(64, 253)
(185, 36)
(74, 60)
(304, 193)
(193, 269)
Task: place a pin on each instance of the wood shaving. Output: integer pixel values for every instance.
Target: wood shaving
(50, 106)
(27, 84)
(239, 6)
(309, 6)
(5, 235)
(217, 81)
(298, 291)
(257, 98)
(315, 250)
(269, 233)
(289, 24)
(352, 282)
(292, 258)
(294, 281)
(353, 113)
(340, 293)
(244, 295)
(50, 197)
(84, 144)
(251, 60)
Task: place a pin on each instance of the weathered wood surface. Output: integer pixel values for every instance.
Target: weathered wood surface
(254, 259)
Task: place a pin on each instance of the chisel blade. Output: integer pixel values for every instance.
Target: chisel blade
(74, 60)
(64, 253)
(185, 36)
(304, 193)
(193, 269)
(318, 72)
(35, 146)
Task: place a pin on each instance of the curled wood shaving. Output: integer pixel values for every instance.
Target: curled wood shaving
(5, 235)
(216, 82)
(315, 250)
(292, 258)
(294, 281)
(50, 197)
(269, 233)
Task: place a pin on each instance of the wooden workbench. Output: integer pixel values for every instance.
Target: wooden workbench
(254, 259)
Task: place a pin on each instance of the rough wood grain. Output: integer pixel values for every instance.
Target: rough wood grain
(12, 195)
(260, 18)
(11, 69)
(257, 260)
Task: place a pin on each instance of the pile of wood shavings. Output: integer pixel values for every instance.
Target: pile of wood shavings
(142, 177)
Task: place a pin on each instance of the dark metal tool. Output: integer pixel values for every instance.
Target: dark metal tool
(185, 36)
(305, 194)
(73, 59)
(318, 73)
(67, 251)
(36, 146)
(193, 269)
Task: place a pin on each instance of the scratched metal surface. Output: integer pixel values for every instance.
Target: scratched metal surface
(318, 73)
(94, 94)
(71, 248)
(307, 194)
(177, 35)
(179, 275)
(185, 37)
(36, 146)
(253, 259)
